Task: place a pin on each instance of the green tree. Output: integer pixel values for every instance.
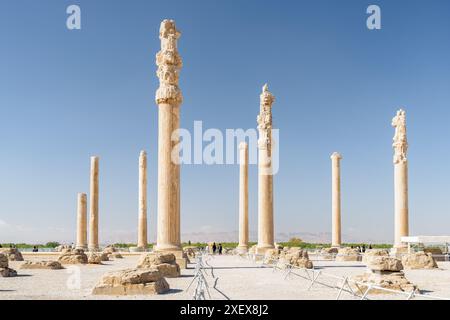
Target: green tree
(52, 244)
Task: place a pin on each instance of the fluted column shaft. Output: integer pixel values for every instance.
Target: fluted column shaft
(336, 199)
(93, 205)
(401, 202)
(168, 98)
(81, 221)
(142, 225)
(243, 197)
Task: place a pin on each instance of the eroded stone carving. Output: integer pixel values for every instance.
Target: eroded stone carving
(169, 65)
(400, 144)
(264, 119)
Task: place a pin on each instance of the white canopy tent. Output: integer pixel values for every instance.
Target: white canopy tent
(423, 240)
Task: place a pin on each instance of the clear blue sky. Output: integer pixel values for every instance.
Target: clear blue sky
(66, 95)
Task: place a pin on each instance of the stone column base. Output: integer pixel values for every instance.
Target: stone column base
(93, 249)
(84, 248)
(262, 250)
(242, 249)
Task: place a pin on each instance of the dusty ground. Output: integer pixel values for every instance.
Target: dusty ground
(234, 278)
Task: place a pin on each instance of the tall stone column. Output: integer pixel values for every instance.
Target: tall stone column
(336, 199)
(81, 221)
(142, 224)
(265, 174)
(169, 99)
(243, 198)
(93, 206)
(400, 146)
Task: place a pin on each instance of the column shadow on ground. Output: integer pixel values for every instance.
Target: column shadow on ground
(172, 291)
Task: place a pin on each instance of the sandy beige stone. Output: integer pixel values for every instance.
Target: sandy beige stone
(81, 221)
(348, 254)
(164, 262)
(168, 98)
(7, 272)
(51, 265)
(115, 255)
(93, 222)
(265, 173)
(142, 221)
(296, 257)
(374, 253)
(131, 282)
(400, 146)
(419, 260)
(110, 249)
(4, 262)
(384, 263)
(243, 198)
(13, 254)
(76, 256)
(336, 199)
(388, 280)
(190, 251)
(94, 258)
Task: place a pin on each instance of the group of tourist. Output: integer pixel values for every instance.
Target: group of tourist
(217, 248)
(362, 249)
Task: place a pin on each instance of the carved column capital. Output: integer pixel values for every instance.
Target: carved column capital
(336, 155)
(400, 143)
(169, 65)
(264, 118)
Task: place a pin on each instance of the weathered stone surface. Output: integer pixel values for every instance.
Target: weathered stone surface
(131, 282)
(327, 253)
(115, 255)
(104, 256)
(388, 280)
(271, 256)
(76, 256)
(4, 270)
(419, 260)
(155, 258)
(94, 258)
(383, 263)
(164, 262)
(332, 250)
(169, 270)
(51, 265)
(110, 249)
(374, 253)
(296, 257)
(348, 254)
(190, 251)
(7, 272)
(13, 254)
(63, 248)
(3, 260)
(265, 172)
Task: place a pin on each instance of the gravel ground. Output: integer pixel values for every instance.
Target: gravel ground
(234, 278)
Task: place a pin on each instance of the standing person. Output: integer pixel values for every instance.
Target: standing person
(214, 248)
(363, 248)
(220, 248)
(35, 249)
